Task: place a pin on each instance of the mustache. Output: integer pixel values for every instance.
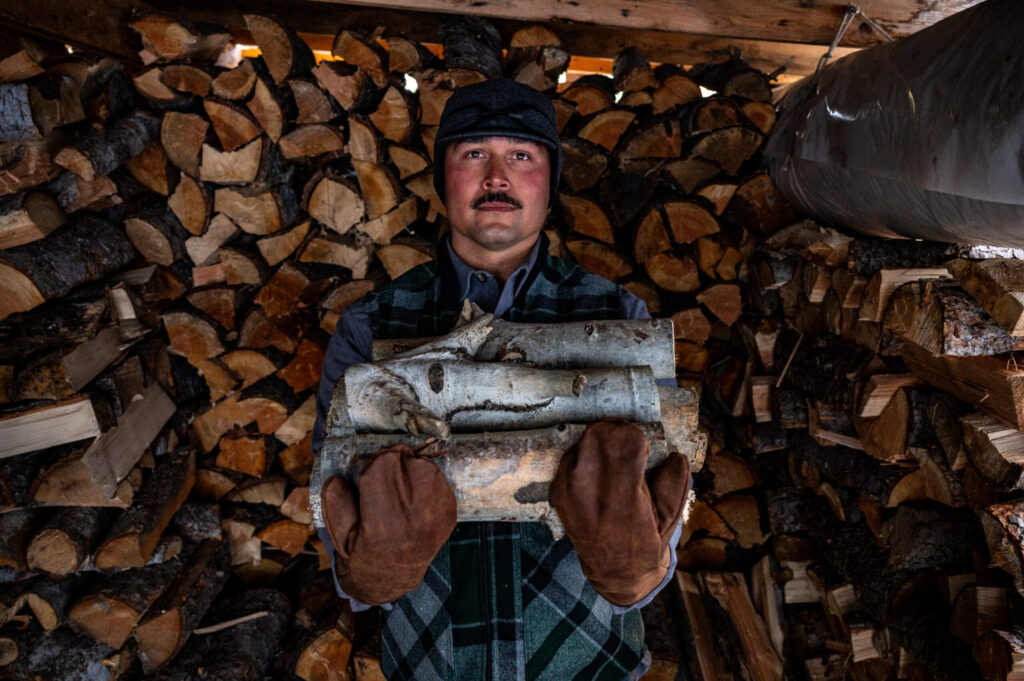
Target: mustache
(497, 197)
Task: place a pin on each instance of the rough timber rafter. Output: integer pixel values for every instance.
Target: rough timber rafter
(771, 33)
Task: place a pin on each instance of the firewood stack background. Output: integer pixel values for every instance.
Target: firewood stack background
(178, 241)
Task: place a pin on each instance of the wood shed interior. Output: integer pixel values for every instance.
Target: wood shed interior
(191, 193)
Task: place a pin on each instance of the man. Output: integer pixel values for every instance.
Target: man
(500, 600)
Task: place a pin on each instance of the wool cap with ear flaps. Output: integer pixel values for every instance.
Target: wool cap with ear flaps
(498, 107)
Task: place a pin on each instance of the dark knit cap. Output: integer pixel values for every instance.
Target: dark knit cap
(498, 107)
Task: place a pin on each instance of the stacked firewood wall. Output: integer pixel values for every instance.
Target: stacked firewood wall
(179, 240)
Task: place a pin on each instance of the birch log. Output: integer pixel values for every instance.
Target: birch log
(436, 397)
(596, 344)
(495, 476)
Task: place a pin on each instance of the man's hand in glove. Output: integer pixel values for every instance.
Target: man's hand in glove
(387, 533)
(619, 522)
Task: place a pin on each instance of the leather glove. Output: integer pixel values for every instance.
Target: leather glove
(619, 523)
(387, 533)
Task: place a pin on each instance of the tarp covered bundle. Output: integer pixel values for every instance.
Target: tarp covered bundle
(922, 138)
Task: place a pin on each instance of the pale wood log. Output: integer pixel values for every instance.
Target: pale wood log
(277, 247)
(950, 322)
(244, 452)
(66, 540)
(313, 104)
(152, 168)
(351, 251)
(112, 455)
(434, 394)
(396, 116)
(723, 301)
(191, 334)
(697, 629)
(496, 475)
(728, 147)
(232, 125)
(220, 303)
(599, 258)
(351, 87)
(47, 426)
(569, 344)
(134, 535)
(879, 390)
(671, 272)
(250, 365)
(235, 411)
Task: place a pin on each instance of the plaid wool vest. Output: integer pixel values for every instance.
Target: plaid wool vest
(504, 600)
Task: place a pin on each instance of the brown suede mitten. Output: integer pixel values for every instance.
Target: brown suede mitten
(619, 524)
(386, 534)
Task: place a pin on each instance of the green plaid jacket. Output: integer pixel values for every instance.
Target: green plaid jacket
(504, 600)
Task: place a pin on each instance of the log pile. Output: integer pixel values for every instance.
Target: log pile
(178, 240)
(866, 403)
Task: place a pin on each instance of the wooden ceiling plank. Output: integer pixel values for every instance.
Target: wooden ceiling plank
(778, 20)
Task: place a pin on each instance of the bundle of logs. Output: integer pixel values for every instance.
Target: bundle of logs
(865, 476)
(495, 404)
(177, 241)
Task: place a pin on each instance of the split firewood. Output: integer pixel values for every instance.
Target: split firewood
(221, 303)
(403, 254)
(655, 140)
(885, 282)
(995, 450)
(250, 365)
(22, 61)
(599, 258)
(108, 611)
(165, 37)
(244, 452)
(38, 271)
(333, 201)
(259, 331)
(728, 147)
(17, 528)
(235, 84)
(278, 247)
(232, 125)
(591, 94)
(232, 411)
(950, 322)
(713, 113)
(396, 115)
(583, 164)
(153, 169)
(349, 251)
(97, 153)
(631, 71)
(312, 103)
(240, 266)
(187, 78)
(67, 539)
(350, 87)
(48, 599)
(192, 334)
(285, 54)
(27, 217)
(150, 84)
(169, 623)
(191, 203)
(266, 490)
(310, 140)
(257, 210)
(606, 127)
(1000, 654)
(996, 285)
(58, 376)
(241, 166)
(135, 534)
(988, 383)
(269, 106)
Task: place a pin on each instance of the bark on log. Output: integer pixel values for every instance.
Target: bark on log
(63, 655)
(598, 344)
(995, 450)
(97, 153)
(67, 539)
(434, 396)
(166, 37)
(997, 285)
(39, 271)
(135, 534)
(171, 619)
(108, 611)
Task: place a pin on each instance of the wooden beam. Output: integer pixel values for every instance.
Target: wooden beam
(100, 27)
(779, 20)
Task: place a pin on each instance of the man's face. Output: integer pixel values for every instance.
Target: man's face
(496, 191)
